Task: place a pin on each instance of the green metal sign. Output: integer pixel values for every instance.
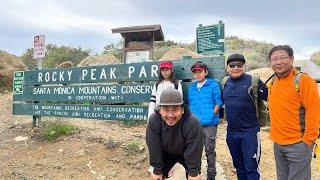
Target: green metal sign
(18, 82)
(63, 92)
(210, 39)
(83, 111)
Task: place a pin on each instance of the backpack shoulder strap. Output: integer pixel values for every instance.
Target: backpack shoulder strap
(224, 81)
(254, 88)
(297, 77)
(270, 78)
(176, 84)
(269, 83)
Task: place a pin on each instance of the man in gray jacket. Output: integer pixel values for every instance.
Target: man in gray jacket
(174, 135)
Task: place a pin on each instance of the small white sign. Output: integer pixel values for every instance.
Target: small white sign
(39, 47)
(137, 56)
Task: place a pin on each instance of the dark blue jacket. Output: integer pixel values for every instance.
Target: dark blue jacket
(202, 102)
(240, 108)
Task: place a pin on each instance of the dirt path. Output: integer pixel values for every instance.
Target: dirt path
(99, 150)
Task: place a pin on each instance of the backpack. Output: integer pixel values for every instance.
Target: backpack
(253, 91)
(176, 85)
(297, 77)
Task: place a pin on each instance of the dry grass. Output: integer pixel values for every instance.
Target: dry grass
(103, 59)
(178, 53)
(66, 64)
(8, 64)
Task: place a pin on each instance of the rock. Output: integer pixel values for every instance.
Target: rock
(43, 174)
(93, 172)
(38, 164)
(140, 160)
(12, 126)
(5, 91)
(130, 174)
(139, 136)
(110, 144)
(142, 149)
(115, 160)
(113, 174)
(81, 153)
(60, 150)
(138, 166)
(89, 165)
(101, 177)
(21, 138)
(18, 174)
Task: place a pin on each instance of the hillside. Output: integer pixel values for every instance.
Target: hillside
(316, 57)
(8, 64)
(256, 52)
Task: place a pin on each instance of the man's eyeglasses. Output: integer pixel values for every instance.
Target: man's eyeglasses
(233, 65)
(281, 58)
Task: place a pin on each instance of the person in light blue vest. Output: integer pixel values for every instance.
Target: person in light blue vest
(204, 97)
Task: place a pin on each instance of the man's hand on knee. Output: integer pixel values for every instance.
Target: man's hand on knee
(194, 177)
(155, 177)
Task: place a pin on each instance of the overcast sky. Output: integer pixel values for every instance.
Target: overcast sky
(88, 24)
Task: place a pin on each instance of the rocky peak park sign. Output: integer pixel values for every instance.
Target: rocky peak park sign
(111, 92)
(112, 73)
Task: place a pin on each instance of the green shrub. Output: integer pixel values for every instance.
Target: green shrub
(133, 146)
(55, 129)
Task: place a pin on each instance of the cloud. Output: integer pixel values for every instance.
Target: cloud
(88, 23)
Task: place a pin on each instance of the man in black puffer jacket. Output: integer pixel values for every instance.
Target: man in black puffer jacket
(174, 135)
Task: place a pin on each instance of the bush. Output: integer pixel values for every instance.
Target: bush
(316, 57)
(8, 64)
(55, 129)
(134, 147)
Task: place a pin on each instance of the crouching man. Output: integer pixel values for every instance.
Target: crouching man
(174, 135)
